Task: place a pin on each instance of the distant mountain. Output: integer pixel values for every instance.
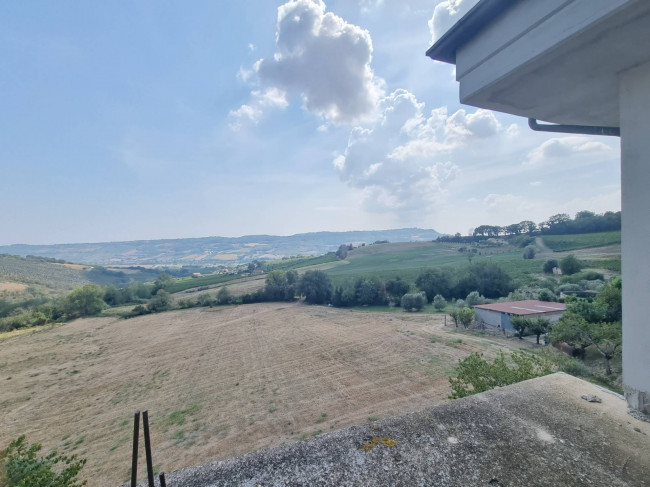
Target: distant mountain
(214, 250)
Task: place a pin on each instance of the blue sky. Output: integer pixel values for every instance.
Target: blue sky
(142, 119)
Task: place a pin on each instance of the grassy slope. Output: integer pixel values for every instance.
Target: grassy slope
(563, 243)
(408, 259)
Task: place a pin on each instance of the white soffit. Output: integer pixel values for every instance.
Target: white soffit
(555, 60)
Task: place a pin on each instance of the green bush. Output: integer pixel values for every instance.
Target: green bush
(413, 301)
(570, 265)
(476, 374)
(22, 468)
(549, 265)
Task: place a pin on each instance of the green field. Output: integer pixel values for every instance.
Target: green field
(184, 283)
(564, 243)
(406, 260)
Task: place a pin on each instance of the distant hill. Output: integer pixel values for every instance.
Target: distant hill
(214, 250)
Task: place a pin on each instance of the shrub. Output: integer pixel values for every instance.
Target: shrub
(22, 468)
(204, 300)
(529, 252)
(439, 302)
(476, 374)
(224, 296)
(570, 265)
(549, 265)
(474, 298)
(162, 301)
(413, 301)
(546, 295)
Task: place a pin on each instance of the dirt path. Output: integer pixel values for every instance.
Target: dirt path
(220, 382)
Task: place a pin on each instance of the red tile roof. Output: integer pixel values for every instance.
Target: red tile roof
(528, 307)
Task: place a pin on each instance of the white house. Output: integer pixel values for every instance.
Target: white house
(498, 314)
(584, 64)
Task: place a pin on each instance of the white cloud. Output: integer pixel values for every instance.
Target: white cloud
(323, 60)
(563, 147)
(253, 112)
(401, 161)
(446, 14)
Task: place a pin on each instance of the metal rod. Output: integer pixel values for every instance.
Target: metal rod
(147, 447)
(134, 458)
(574, 129)
(163, 482)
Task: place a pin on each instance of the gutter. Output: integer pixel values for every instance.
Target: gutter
(574, 129)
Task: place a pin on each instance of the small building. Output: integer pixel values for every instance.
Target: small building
(498, 314)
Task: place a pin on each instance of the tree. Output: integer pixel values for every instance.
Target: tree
(162, 301)
(545, 294)
(397, 288)
(571, 330)
(435, 281)
(520, 324)
(475, 374)
(368, 291)
(87, 300)
(487, 278)
(204, 300)
(466, 316)
(529, 252)
(316, 287)
(342, 252)
(413, 301)
(539, 326)
(527, 226)
(570, 265)
(224, 296)
(22, 467)
(576, 331)
(439, 302)
(474, 298)
(610, 297)
(162, 281)
(549, 265)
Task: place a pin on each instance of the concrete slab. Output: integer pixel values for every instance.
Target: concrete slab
(535, 433)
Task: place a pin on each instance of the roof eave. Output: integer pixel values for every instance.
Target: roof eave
(482, 14)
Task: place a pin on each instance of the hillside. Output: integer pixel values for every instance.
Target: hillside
(20, 276)
(214, 250)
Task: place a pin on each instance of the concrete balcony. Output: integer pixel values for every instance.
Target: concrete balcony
(536, 433)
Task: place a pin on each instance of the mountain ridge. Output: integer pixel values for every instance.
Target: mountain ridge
(215, 250)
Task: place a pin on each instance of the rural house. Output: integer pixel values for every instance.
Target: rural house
(498, 314)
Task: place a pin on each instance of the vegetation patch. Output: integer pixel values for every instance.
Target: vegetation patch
(565, 243)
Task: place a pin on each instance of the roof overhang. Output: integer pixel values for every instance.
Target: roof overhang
(544, 59)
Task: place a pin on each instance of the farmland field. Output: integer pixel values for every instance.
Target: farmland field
(562, 243)
(221, 382)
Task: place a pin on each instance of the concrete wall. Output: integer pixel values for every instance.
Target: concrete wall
(490, 318)
(635, 188)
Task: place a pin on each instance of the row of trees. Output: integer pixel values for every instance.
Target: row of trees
(560, 224)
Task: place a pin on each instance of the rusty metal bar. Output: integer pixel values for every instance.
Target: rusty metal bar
(147, 447)
(134, 458)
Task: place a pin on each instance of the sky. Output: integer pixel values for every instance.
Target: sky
(142, 119)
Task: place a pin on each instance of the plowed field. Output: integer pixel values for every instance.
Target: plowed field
(220, 382)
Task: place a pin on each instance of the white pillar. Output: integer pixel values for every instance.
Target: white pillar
(635, 187)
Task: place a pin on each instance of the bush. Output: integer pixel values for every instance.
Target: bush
(475, 374)
(474, 298)
(22, 468)
(316, 287)
(224, 296)
(546, 295)
(549, 265)
(439, 302)
(529, 253)
(162, 301)
(413, 301)
(204, 300)
(570, 265)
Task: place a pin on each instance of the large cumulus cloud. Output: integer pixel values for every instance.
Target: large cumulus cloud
(446, 14)
(322, 59)
(401, 160)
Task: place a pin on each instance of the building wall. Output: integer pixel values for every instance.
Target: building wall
(490, 318)
(635, 181)
(502, 320)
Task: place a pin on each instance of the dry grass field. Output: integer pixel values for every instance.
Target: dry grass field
(220, 382)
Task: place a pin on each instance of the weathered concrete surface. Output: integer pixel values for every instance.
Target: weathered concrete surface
(538, 432)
